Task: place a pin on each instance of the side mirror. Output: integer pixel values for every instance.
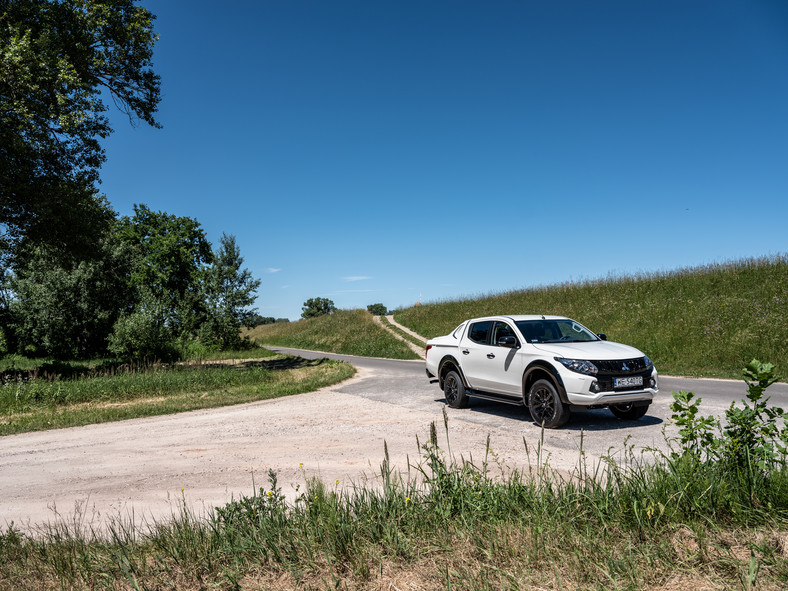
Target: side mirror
(602, 336)
(509, 342)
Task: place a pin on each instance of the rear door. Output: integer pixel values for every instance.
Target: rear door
(487, 366)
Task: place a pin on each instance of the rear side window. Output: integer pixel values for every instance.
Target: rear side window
(479, 332)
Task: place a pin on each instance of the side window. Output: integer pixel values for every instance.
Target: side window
(479, 332)
(501, 329)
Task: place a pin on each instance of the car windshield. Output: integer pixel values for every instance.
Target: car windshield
(555, 331)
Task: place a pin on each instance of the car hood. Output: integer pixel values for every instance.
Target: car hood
(594, 350)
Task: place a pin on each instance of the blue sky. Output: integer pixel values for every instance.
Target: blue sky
(396, 151)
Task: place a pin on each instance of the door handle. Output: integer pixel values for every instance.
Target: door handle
(490, 356)
(466, 352)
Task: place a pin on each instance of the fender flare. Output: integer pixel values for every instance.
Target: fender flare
(450, 361)
(541, 366)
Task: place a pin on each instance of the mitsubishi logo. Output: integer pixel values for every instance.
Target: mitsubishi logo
(624, 366)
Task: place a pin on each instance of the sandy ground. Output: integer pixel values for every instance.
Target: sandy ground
(144, 469)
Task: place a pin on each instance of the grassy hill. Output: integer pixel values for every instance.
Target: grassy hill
(351, 332)
(705, 321)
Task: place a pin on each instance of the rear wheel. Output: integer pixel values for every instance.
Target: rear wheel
(454, 390)
(629, 412)
(545, 405)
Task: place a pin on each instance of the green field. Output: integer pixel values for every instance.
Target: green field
(703, 322)
(41, 400)
(350, 332)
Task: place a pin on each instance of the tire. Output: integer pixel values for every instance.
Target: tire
(545, 405)
(629, 412)
(454, 390)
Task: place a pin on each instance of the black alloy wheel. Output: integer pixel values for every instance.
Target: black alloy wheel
(454, 390)
(545, 405)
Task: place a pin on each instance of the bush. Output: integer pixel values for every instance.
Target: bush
(142, 334)
(754, 436)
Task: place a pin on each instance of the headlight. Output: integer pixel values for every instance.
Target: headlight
(647, 362)
(578, 365)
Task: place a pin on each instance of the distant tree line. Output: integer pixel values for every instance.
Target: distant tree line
(257, 320)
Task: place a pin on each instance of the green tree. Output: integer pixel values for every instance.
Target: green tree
(230, 291)
(171, 257)
(59, 61)
(377, 309)
(67, 312)
(317, 307)
(143, 333)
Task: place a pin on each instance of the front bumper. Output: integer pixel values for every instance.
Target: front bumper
(581, 390)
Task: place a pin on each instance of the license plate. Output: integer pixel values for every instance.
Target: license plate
(628, 382)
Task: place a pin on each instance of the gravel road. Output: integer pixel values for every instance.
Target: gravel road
(145, 469)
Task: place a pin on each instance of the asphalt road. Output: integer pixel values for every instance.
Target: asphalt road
(405, 384)
(147, 469)
(717, 395)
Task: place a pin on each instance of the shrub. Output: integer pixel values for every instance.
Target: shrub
(143, 334)
(755, 435)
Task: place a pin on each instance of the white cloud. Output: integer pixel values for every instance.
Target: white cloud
(273, 270)
(356, 278)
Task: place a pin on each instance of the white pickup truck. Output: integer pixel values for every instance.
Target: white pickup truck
(551, 364)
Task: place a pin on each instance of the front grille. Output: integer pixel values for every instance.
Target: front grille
(621, 367)
(606, 383)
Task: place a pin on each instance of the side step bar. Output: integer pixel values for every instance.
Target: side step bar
(504, 399)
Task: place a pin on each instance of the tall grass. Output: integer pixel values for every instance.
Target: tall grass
(704, 321)
(38, 401)
(350, 332)
(446, 523)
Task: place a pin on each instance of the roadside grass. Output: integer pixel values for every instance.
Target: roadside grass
(349, 332)
(704, 322)
(649, 523)
(40, 401)
(409, 337)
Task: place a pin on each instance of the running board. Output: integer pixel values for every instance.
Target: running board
(494, 398)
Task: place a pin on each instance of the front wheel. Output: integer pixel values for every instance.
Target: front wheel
(629, 412)
(545, 405)
(454, 390)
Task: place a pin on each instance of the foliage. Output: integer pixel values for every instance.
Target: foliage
(171, 254)
(63, 311)
(144, 332)
(377, 309)
(317, 307)
(755, 433)
(696, 433)
(60, 61)
(753, 436)
(230, 290)
(705, 321)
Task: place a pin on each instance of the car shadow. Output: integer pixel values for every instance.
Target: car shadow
(591, 420)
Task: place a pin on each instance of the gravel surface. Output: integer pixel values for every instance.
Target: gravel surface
(145, 469)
